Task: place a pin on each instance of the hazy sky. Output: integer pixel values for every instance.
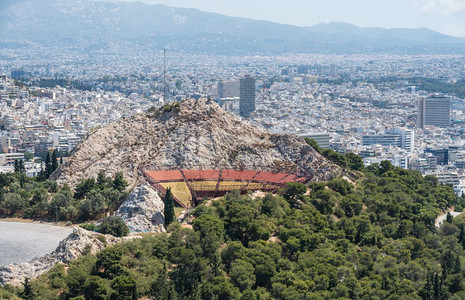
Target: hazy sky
(446, 16)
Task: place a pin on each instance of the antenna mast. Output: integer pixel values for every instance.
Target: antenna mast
(164, 74)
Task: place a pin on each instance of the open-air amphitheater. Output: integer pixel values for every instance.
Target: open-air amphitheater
(189, 187)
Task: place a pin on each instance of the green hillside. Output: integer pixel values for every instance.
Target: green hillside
(375, 240)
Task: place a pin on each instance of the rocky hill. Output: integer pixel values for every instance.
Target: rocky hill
(143, 210)
(192, 134)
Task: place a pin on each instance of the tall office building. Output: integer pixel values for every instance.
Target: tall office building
(332, 69)
(247, 96)
(434, 111)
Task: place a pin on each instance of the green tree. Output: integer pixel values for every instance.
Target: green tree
(114, 226)
(211, 231)
(294, 192)
(13, 202)
(335, 157)
(119, 183)
(108, 264)
(351, 205)
(341, 186)
(160, 287)
(54, 160)
(16, 165)
(48, 165)
(96, 288)
(19, 166)
(385, 166)
(27, 292)
(242, 274)
(102, 181)
(188, 271)
(354, 162)
(125, 288)
(28, 156)
(169, 208)
(62, 200)
(84, 187)
(449, 217)
(93, 206)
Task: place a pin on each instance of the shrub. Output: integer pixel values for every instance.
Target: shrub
(89, 226)
(114, 226)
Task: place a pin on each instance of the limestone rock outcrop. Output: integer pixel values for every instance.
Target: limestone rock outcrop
(192, 134)
(78, 243)
(143, 210)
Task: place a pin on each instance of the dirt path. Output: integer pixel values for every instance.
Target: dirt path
(442, 217)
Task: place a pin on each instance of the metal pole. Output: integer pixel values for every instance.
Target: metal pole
(164, 74)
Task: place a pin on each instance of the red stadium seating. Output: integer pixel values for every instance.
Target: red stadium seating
(207, 183)
(161, 176)
(269, 177)
(289, 178)
(201, 174)
(238, 175)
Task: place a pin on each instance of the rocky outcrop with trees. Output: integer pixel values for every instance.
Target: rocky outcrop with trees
(80, 242)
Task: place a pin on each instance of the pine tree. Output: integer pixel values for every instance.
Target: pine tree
(48, 165)
(160, 287)
(462, 233)
(54, 160)
(437, 287)
(22, 168)
(457, 268)
(449, 217)
(27, 293)
(19, 166)
(102, 180)
(41, 174)
(169, 208)
(427, 292)
(16, 166)
(61, 160)
(119, 183)
(447, 263)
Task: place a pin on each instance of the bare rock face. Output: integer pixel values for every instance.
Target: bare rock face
(192, 134)
(143, 210)
(78, 243)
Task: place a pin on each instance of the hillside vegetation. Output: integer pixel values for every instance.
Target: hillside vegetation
(375, 240)
(34, 198)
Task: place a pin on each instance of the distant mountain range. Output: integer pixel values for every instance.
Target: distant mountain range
(93, 25)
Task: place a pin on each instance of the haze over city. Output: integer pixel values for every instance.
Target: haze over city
(445, 16)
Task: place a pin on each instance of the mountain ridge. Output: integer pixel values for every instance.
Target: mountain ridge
(82, 23)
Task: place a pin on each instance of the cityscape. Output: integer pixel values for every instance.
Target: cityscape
(392, 117)
(200, 149)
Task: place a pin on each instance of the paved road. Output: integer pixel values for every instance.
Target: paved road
(21, 242)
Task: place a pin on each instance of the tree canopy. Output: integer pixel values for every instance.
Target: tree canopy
(374, 239)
